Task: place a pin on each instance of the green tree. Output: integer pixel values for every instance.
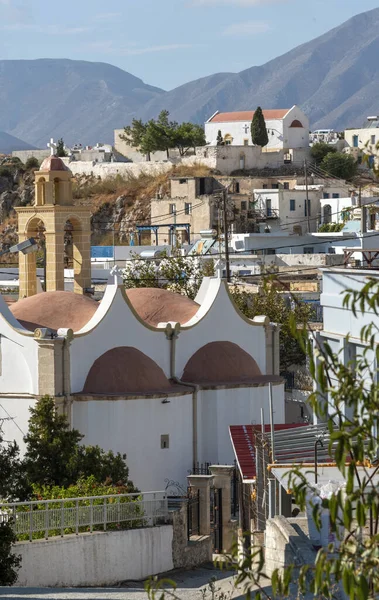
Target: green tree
(9, 562)
(31, 163)
(188, 135)
(320, 150)
(258, 129)
(339, 165)
(270, 302)
(134, 136)
(61, 152)
(13, 484)
(54, 456)
(219, 139)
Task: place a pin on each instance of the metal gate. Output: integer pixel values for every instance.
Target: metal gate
(216, 518)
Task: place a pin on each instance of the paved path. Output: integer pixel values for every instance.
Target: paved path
(190, 584)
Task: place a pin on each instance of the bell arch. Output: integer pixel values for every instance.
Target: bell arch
(77, 252)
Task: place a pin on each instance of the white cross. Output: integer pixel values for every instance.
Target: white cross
(52, 145)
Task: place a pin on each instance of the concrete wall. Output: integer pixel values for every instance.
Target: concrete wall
(284, 546)
(23, 155)
(97, 559)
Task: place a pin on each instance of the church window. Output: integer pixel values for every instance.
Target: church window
(296, 123)
(165, 441)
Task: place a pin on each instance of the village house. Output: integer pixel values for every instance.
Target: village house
(362, 142)
(148, 373)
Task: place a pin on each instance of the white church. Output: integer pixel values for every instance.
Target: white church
(287, 128)
(144, 372)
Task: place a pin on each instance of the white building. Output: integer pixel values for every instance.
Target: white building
(364, 140)
(342, 330)
(287, 128)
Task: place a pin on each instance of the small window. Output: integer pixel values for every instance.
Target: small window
(268, 207)
(292, 205)
(275, 186)
(265, 186)
(325, 195)
(172, 209)
(181, 181)
(243, 205)
(309, 250)
(237, 187)
(373, 139)
(187, 208)
(228, 139)
(286, 185)
(165, 441)
(335, 195)
(246, 142)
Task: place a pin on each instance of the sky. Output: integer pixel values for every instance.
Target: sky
(167, 42)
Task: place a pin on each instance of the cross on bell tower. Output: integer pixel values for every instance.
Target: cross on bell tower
(54, 211)
(53, 146)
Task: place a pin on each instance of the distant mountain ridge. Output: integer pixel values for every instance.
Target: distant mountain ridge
(334, 78)
(8, 143)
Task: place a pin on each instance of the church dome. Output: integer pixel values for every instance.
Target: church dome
(126, 370)
(217, 363)
(54, 310)
(154, 305)
(53, 163)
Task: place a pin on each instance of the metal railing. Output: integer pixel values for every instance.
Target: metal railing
(59, 517)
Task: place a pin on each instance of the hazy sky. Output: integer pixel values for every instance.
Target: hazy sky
(167, 42)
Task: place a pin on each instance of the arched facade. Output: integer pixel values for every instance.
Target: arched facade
(53, 208)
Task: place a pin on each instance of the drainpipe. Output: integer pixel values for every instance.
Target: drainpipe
(172, 334)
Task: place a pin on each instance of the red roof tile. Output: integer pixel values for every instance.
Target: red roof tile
(247, 115)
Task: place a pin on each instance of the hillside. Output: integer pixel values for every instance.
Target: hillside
(334, 78)
(8, 143)
(77, 100)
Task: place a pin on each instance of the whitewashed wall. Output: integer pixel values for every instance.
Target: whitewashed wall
(135, 427)
(220, 408)
(240, 131)
(97, 559)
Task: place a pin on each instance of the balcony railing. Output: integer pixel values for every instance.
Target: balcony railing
(59, 517)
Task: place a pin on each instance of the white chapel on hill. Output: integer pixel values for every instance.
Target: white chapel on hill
(287, 128)
(144, 372)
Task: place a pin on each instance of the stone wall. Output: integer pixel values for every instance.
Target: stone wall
(23, 155)
(286, 544)
(187, 554)
(104, 170)
(97, 559)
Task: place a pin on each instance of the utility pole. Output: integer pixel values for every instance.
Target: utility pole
(226, 236)
(307, 204)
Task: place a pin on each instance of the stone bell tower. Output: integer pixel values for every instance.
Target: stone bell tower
(54, 213)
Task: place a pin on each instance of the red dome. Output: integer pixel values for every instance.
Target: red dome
(53, 163)
(155, 305)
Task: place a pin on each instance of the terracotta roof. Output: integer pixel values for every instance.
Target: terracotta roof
(53, 163)
(219, 363)
(243, 441)
(155, 305)
(247, 115)
(126, 370)
(54, 310)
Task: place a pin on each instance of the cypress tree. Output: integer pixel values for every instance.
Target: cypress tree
(219, 139)
(258, 129)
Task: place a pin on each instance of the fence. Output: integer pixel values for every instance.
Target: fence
(59, 517)
(193, 514)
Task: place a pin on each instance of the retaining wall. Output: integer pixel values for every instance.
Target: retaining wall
(97, 559)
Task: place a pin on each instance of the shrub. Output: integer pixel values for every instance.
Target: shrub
(32, 163)
(9, 562)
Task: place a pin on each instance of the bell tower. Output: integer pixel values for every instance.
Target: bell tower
(54, 213)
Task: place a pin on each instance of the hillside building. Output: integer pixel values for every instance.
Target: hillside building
(287, 128)
(363, 141)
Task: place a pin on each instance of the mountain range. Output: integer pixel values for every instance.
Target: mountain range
(334, 78)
